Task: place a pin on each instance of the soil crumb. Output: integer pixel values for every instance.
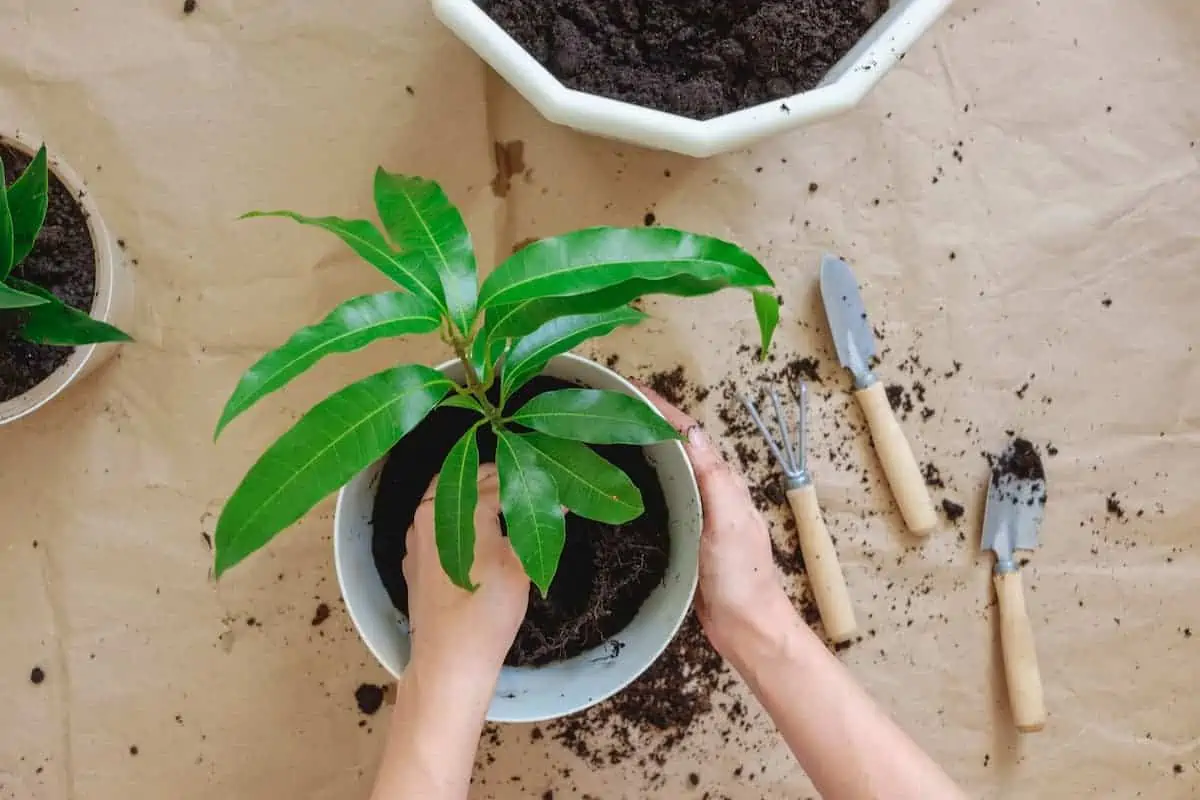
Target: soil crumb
(189, 7)
(954, 511)
(320, 615)
(369, 698)
(37, 675)
(699, 58)
(1113, 506)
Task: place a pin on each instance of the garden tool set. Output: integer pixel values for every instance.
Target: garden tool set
(1015, 502)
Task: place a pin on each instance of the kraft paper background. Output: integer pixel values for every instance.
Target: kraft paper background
(1075, 183)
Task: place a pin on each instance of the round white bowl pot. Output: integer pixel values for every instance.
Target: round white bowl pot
(112, 303)
(847, 83)
(534, 694)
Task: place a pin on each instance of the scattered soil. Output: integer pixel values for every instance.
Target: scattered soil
(1020, 461)
(62, 261)
(369, 698)
(605, 574)
(1018, 465)
(696, 58)
(667, 700)
(189, 7)
(1113, 506)
(320, 615)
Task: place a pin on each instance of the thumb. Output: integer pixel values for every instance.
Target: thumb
(704, 457)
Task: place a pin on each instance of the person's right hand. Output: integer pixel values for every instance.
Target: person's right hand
(740, 588)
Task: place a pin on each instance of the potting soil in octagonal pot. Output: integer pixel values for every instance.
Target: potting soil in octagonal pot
(619, 596)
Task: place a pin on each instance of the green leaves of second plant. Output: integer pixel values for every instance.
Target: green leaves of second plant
(596, 417)
(42, 317)
(541, 302)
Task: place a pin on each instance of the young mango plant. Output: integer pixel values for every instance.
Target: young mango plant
(542, 301)
(37, 314)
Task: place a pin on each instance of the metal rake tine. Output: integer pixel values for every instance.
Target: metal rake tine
(762, 428)
(784, 434)
(802, 429)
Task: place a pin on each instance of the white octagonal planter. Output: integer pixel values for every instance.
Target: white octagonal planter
(845, 85)
(534, 694)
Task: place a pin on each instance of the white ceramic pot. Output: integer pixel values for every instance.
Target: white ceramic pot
(112, 304)
(532, 694)
(845, 85)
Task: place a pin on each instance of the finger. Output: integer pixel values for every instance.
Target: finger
(704, 457)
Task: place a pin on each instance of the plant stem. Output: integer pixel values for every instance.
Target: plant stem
(474, 386)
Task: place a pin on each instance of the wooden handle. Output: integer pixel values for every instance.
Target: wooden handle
(821, 563)
(1020, 656)
(903, 474)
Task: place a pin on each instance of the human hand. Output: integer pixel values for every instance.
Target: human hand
(740, 589)
(451, 627)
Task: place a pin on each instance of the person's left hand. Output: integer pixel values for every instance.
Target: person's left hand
(451, 626)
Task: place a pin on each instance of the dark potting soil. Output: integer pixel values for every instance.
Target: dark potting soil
(605, 574)
(696, 58)
(63, 261)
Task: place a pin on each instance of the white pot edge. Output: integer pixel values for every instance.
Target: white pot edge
(555, 690)
(114, 292)
(848, 82)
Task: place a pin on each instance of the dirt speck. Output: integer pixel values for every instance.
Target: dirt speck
(189, 7)
(369, 698)
(321, 614)
(37, 675)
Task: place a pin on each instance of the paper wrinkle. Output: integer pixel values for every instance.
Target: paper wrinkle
(1074, 241)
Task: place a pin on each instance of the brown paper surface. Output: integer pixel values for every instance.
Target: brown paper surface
(1024, 165)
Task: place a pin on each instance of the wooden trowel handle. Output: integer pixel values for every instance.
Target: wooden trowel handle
(821, 563)
(1020, 656)
(899, 465)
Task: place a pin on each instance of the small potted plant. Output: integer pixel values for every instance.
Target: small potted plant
(697, 78)
(612, 578)
(59, 271)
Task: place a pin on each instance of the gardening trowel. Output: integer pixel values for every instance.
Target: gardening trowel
(855, 348)
(1016, 502)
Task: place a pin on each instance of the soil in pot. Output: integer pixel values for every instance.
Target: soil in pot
(63, 260)
(606, 571)
(695, 58)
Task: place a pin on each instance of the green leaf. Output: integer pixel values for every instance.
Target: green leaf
(419, 218)
(530, 353)
(593, 259)
(534, 517)
(6, 230)
(56, 323)
(587, 484)
(596, 417)
(766, 309)
(12, 298)
(409, 270)
(27, 200)
(521, 318)
(461, 401)
(342, 435)
(352, 325)
(454, 510)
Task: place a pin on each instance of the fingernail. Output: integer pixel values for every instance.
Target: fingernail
(697, 438)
